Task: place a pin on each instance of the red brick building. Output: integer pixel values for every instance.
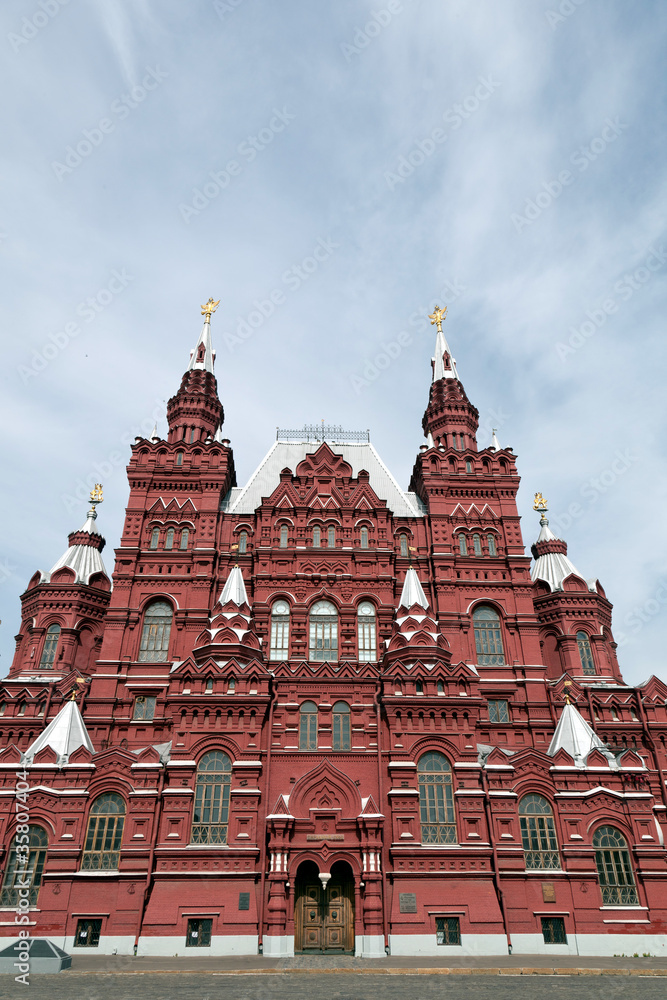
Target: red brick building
(321, 712)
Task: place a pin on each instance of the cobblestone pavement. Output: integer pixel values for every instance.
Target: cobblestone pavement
(335, 985)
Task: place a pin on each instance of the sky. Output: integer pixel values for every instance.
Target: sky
(330, 171)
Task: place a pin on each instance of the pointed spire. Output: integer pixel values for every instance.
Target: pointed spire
(195, 411)
(574, 735)
(154, 436)
(495, 443)
(203, 355)
(64, 734)
(444, 365)
(85, 547)
(234, 589)
(551, 565)
(429, 440)
(413, 592)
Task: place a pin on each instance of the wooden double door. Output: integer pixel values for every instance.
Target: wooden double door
(324, 918)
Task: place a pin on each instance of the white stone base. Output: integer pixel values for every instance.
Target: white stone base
(108, 945)
(274, 946)
(425, 944)
(221, 944)
(369, 946)
(622, 944)
(533, 944)
(590, 945)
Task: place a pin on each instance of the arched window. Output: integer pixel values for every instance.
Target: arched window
(308, 726)
(538, 833)
(440, 687)
(211, 809)
(25, 865)
(50, 647)
(323, 643)
(477, 545)
(155, 633)
(612, 859)
(341, 726)
(284, 536)
(468, 465)
(436, 799)
(185, 537)
(317, 536)
(367, 633)
(243, 543)
(179, 458)
(419, 687)
(403, 539)
(331, 537)
(585, 653)
(493, 551)
(169, 540)
(155, 538)
(105, 832)
(363, 534)
(488, 638)
(279, 647)
(463, 545)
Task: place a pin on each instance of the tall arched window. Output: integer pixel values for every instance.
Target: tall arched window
(341, 726)
(538, 833)
(279, 647)
(317, 536)
(155, 538)
(284, 536)
(323, 643)
(436, 799)
(155, 633)
(488, 638)
(169, 540)
(363, 537)
(25, 865)
(308, 726)
(403, 539)
(493, 551)
(105, 832)
(463, 545)
(50, 647)
(185, 537)
(612, 859)
(211, 810)
(367, 633)
(585, 653)
(477, 545)
(331, 537)
(243, 543)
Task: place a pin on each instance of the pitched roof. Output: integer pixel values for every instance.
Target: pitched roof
(64, 734)
(574, 735)
(85, 560)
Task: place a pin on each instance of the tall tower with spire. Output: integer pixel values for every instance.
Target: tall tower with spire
(195, 413)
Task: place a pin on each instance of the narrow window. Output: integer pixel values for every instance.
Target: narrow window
(419, 688)
(553, 930)
(463, 443)
(477, 545)
(50, 647)
(499, 711)
(538, 833)
(585, 653)
(155, 538)
(404, 545)
(317, 537)
(105, 832)
(231, 687)
(211, 808)
(192, 436)
(455, 444)
(612, 858)
(367, 633)
(447, 930)
(243, 543)
(488, 639)
(22, 707)
(323, 643)
(436, 799)
(441, 688)
(87, 933)
(283, 536)
(492, 545)
(179, 458)
(209, 686)
(144, 707)
(185, 536)
(463, 545)
(364, 538)
(308, 726)
(155, 633)
(341, 726)
(331, 538)
(24, 868)
(279, 647)
(468, 465)
(199, 933)
(169, 540)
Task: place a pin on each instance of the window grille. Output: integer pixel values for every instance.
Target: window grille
(105, 832)
(323, 644)
(463, 545)
(367, 633)
(169, 540)
(211, 809)
(447, 930)
(308, 726)
(317, 537)
(25, 865)
(50, 647)
(155, 538)
(612, 858)
(279, 645)
(284, 535)
(364, 538)
(492, 545)
(155, 634)
(341, 726)
(331, 538)
(477, 545)
(585, 653)
(553, 930)
(538, 833)
(488, 638)
(243, 543)
(404, 545)
(499, 711)
(87, 933)
(185, 536)
(144, 707)
(199, 934)
(436, 800)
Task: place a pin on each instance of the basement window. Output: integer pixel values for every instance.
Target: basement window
(447, 930)
(87, 933)
(199, 934)
(553, 930)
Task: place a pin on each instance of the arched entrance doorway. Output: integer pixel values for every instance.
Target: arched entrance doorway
(324, 918)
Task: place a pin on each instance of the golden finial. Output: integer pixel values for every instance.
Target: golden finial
(540, 504)
(96, 495)
(437, 316)
(566, 685)
(209, 308)
(79, 680)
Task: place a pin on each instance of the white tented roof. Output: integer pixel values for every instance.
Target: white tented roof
(288, 454)
(85, 560)
(64, 734)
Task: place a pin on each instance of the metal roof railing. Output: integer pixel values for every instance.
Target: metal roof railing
(323, 432)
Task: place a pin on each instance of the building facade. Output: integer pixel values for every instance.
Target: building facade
(322, 713)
